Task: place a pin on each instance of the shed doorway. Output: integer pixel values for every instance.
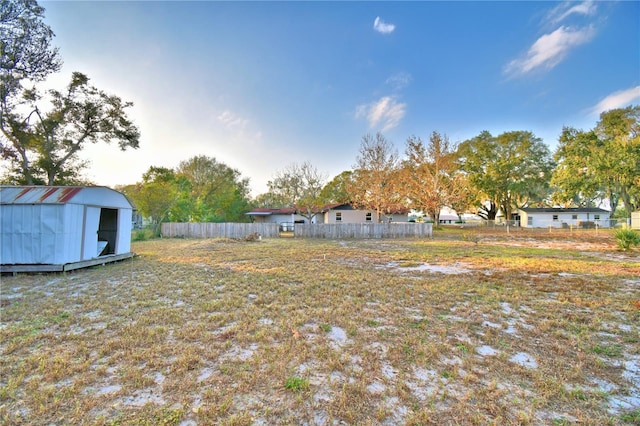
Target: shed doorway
(107, 231)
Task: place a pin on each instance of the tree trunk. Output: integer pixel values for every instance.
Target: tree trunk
(24, 164)
(488, 213)
(628, 204)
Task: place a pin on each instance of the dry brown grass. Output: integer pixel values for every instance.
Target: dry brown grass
(522, 328)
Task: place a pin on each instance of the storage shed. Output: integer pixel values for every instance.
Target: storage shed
(59, 228)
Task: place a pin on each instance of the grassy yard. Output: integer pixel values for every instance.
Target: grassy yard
(467, 328)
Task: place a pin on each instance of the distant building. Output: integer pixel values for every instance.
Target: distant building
(330, 213)
(635, 220)
(579, 217)
(286, 217)
(346, 213)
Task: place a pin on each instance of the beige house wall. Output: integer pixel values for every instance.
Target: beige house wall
(360, 216)
(635, 220)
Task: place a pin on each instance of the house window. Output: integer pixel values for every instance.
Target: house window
(529, 221)
(555, 217)
(596, 217)
(574, 217)
(368, 217)
(338, 216)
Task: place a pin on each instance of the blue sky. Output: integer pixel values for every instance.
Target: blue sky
(260, 85)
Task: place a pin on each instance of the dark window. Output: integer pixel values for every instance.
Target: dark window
(338, 217)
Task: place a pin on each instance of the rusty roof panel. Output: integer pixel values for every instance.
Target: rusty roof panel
(38, 194)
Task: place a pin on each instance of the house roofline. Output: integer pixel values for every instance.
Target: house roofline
(564, 210)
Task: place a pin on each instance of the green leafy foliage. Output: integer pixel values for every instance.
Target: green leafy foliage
(200, 189)
(601, 163)
(509, 171)
(46, 143)
(626, 238)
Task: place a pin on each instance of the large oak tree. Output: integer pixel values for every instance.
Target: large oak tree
(601, 163)
(508, 171)
(47, 141)
(42, 134)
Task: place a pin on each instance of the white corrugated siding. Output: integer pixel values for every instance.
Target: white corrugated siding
(41, 234)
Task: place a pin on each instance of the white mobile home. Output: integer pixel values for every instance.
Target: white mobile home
(58, 228)
(564, 217)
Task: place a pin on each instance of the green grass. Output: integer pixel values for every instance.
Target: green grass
(296, 384)
(632, 417)
(608, 350)
(228, 332)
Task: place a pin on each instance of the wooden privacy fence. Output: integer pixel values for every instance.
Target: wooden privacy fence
(219, 230)
(364, 230)
(321, 230)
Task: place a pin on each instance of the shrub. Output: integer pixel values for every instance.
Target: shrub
(626, 238)
(142, 234)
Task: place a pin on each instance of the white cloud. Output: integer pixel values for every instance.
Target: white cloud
(399, 80)
(382, 27)
(619, 99)
(231, 120)
(384, 114)
(550, 49)
(568, 8)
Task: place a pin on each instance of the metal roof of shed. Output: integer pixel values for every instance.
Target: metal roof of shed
(94, 195)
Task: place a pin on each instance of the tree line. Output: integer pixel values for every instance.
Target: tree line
(42, 133)
(486, 174)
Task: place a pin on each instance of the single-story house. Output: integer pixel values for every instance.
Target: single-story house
(58, 228)
(330, 213)
(346, 213)
(578, 217)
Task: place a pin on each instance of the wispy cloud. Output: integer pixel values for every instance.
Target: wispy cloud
(382, 27)
(552, 47)
(568, 8)
(549, 50)
(384, 114)
(619, 99)
(399, 80)
(231, 120)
